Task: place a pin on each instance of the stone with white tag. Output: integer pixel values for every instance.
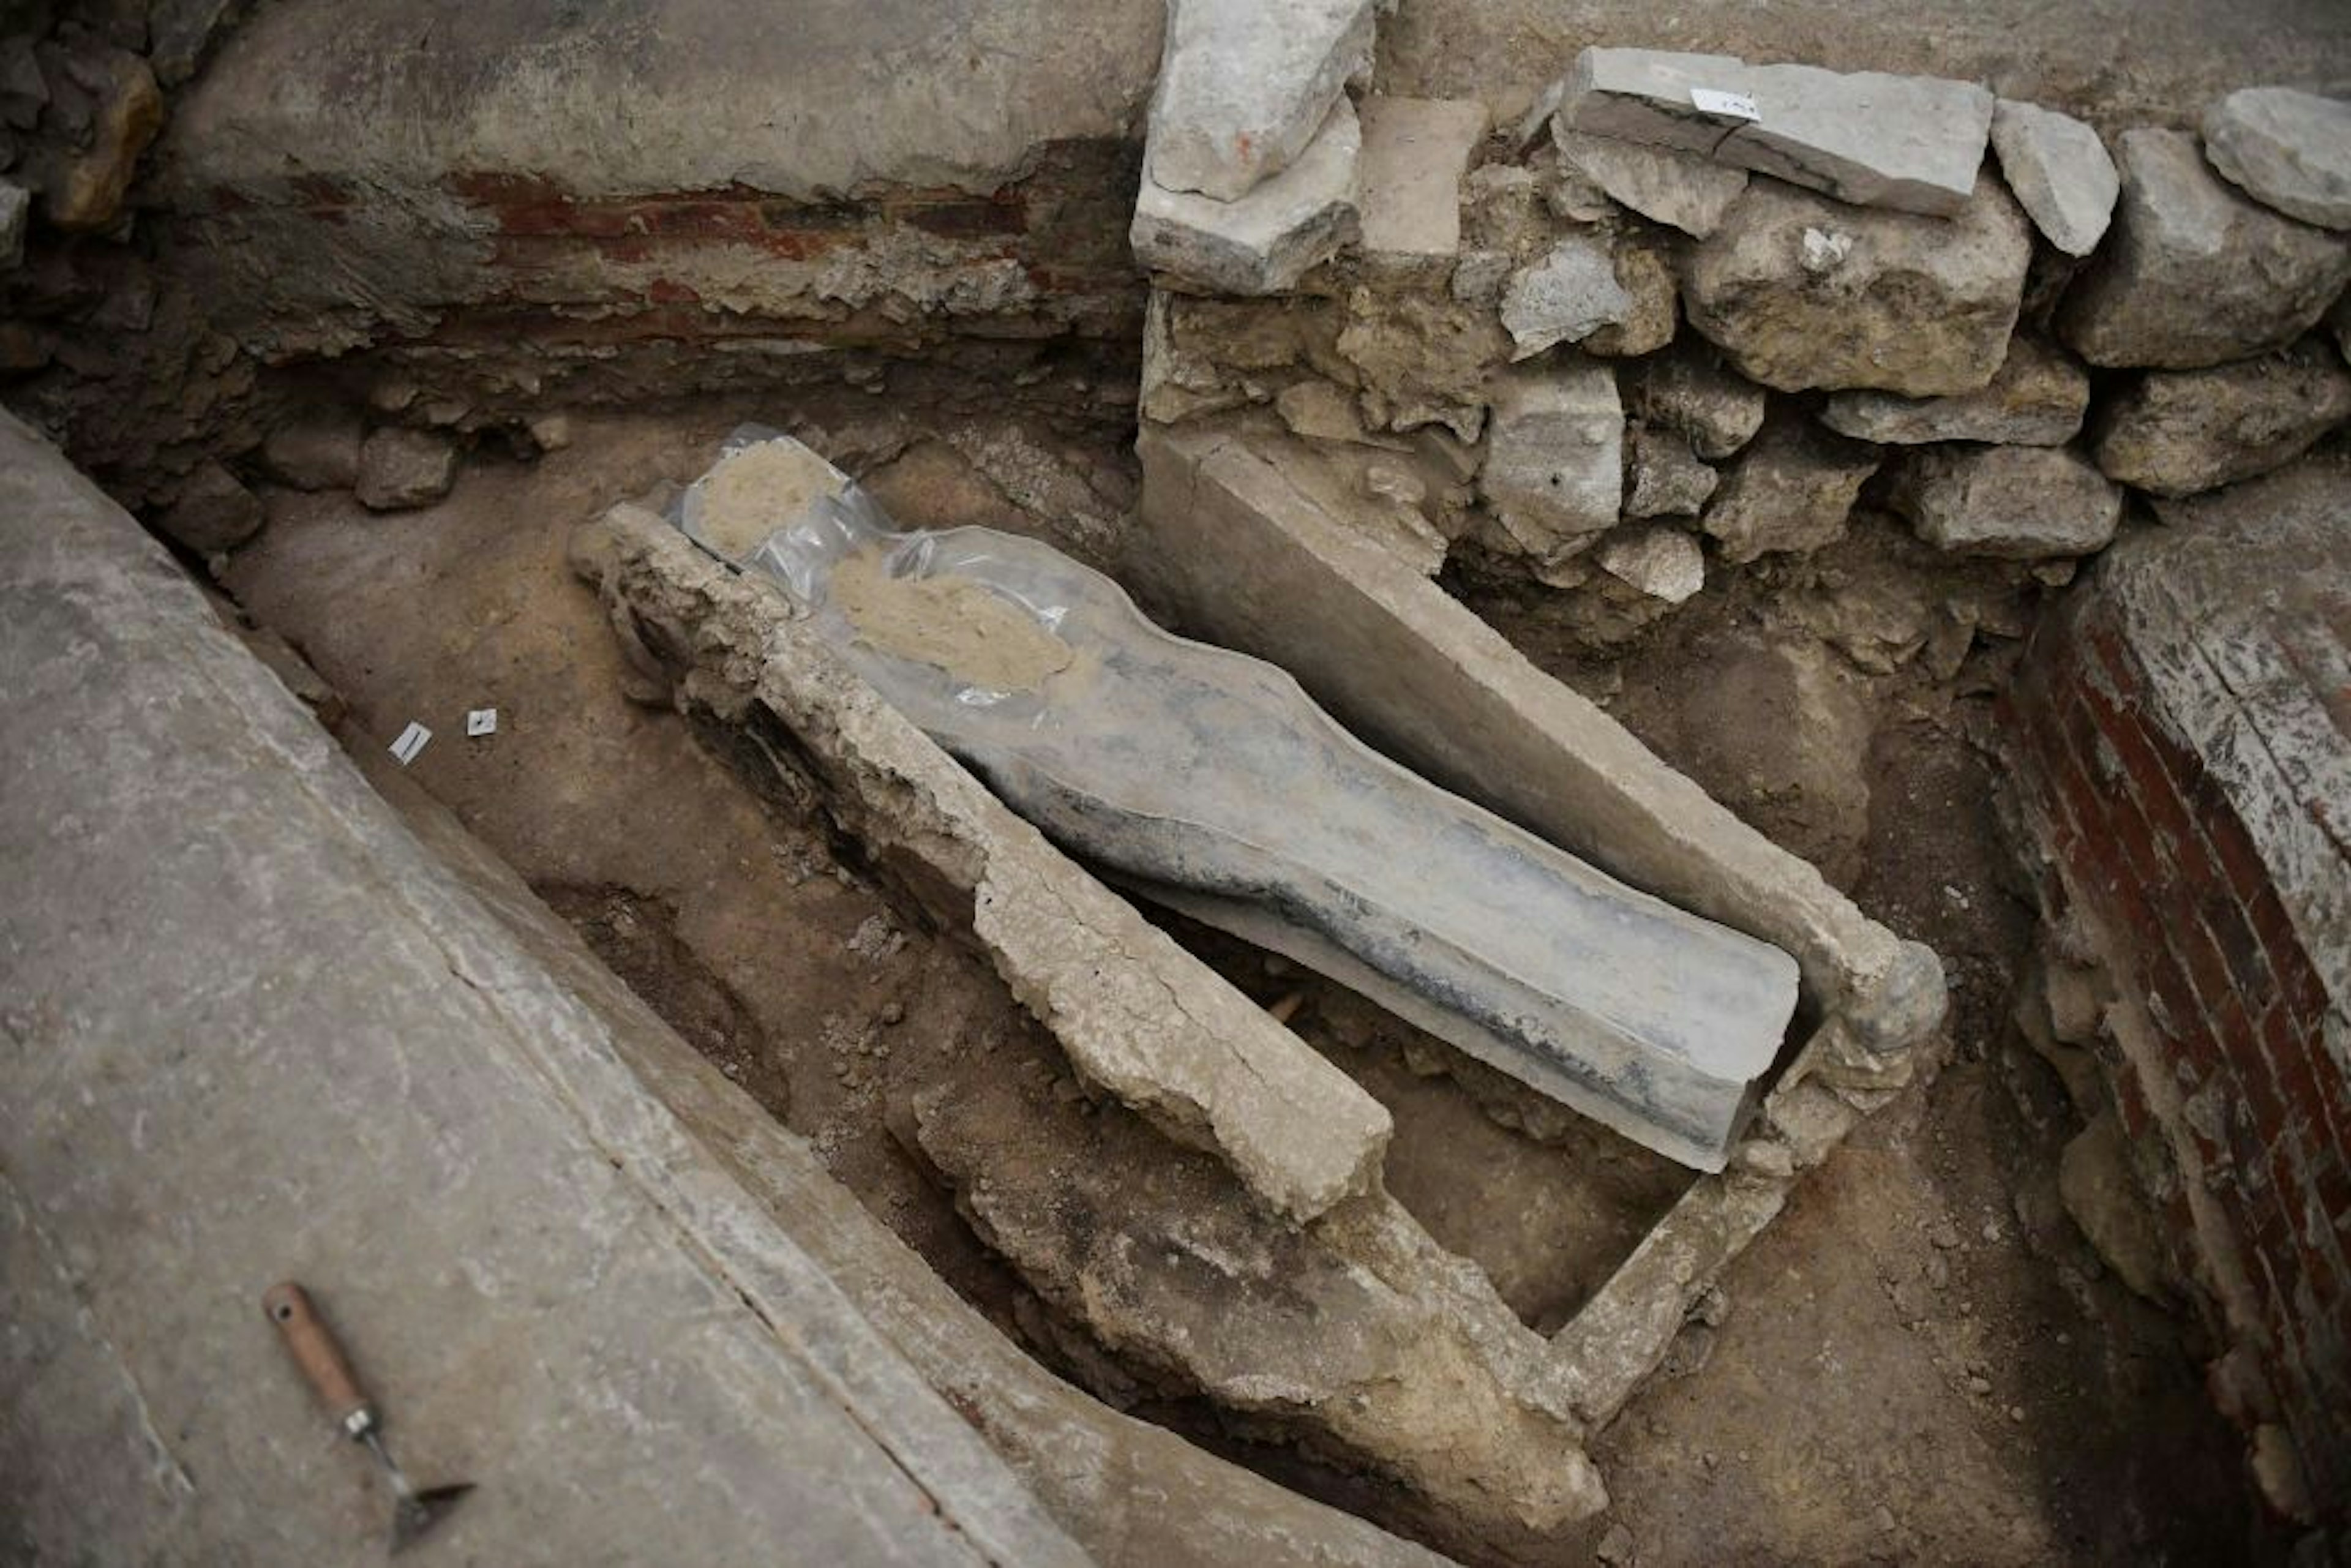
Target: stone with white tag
(1713, 101)
(482, 721)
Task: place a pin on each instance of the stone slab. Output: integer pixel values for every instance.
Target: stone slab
(1665, 184)
(1911, 143)
(2018, 502)
(2037, 399)
(2287, 150)
(1554, 470)
(1244, 85)
(2060, 171)
(1266, 241)
(1415, 152)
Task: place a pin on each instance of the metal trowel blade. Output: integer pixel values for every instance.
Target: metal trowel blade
(415, 1515)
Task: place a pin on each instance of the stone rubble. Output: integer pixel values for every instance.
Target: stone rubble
(1554, 475)
(2174, 432)
(1685, 391)
(2060, 171)
(399, 470)
(2037, 399)
(1264, 241)
(1415, 152)
(1802, 291)
(2020, 503)
(1792, 490)
(1660, 561)
(1645, 271)
(1566, 297)
(2196, 273)
(321, 452)
(1910, 143)
(1245, 86)
(1665, 184)
(213, 511)
(15, 207)
(1667, 479)
(2287, 150)
(84, 189)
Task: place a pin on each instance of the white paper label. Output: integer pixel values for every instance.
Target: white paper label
(412, 741)
(1737, 105)
(482, 721)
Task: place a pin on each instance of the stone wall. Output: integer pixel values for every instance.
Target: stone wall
(2180, 745)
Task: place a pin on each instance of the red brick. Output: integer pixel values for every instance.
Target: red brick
(721, 220)
(498, 189)
(597, 220)
(2241, 951)
(668, 291)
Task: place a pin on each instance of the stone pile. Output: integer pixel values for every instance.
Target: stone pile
(1697, 310)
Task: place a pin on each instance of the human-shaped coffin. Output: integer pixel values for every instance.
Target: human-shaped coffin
(1209, 781)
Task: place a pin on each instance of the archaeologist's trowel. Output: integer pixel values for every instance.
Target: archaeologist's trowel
(312, 1345)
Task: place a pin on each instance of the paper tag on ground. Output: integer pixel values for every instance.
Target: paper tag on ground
(1737, 105)
(412, 741)
(482, 721)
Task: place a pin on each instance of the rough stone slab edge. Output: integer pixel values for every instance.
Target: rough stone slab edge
(551, 1033)
(1126, 1490)
(1300, 588)
(1136, 1013)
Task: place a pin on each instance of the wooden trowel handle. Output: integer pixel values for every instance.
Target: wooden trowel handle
(312, 1344)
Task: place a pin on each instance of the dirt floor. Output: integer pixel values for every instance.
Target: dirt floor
(1920, 1361)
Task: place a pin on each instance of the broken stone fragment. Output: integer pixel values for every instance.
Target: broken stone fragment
(1645, 271)
(1554, 472)
(2019, 502)
(1791, 491)
(1660, 561)
(179, 33)
(1415, 151)
(2196, 273)
(2037, 400)
(2059, 170)
(84, 191)
(1265, 241)
(549, 432)
(1665, 184)
(1910, 143)
(1320, 411)
(1685, 391)
(213, 511)
(1566, 297)
(2288, 150)
(1246, 86)
(2178, 431)
(23, 90)
(1421, 358)
(1667, 480)
(319, 452)
(402, 469)
(1803, 292)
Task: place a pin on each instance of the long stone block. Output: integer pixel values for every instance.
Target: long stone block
(1912, 143)
(1264, 241)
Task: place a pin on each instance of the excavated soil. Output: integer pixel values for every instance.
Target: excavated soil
(1920, 1361)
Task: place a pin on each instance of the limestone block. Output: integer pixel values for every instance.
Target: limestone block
(2022, 502)
(2059, 170)
(1667, 479)
(316, 451)
(1566, 297)
(401, 469)
(1246, 84)
(1910, 143)
(1553, 475)
(1665, 184)
(2178, 431)
(1415, 152)
(2287, 150)
(1687, 391)
(1660, 561)
(1792, 490)
(2037, 400)
(1265, 241)
(2196, 272)
(213, 511)
(1803, 292)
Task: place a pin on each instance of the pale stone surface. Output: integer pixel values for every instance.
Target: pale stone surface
(1554, 458)
(1667, 479)
(1415, 152)
(1244, 85)
(1802, 291)
(399, 469)
(2038, 399)
(1566, 297)
(1790, 491)
(2288, 150)
(1265, 241)
(1687, 391)
(2178, 431)
(1661, 562)
(213, 510)
(1136, 1014)
(1316, 409)
(2060, 171)
(2021, 503)
(316, 451)
(2196, 272)
(1910, 143)
(1665, 184)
